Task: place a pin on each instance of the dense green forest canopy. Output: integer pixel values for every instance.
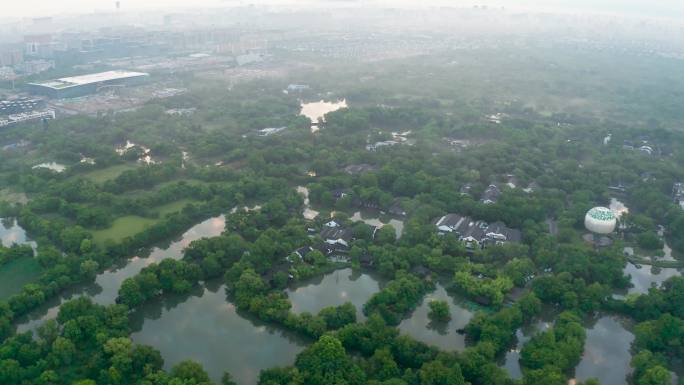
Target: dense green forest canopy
(551, 164)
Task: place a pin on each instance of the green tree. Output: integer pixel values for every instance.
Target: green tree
(545, 376)
(386, 235)
(190, 371)
(326, 362)
(436, 373)
(227, 379)
(129, 293)
(64, 350)
(656, 375)
(439, 311)
(89, 268)
(649, 240)
(382, 366)
(248, 286)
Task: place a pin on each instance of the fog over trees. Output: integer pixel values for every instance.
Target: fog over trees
(341, 192)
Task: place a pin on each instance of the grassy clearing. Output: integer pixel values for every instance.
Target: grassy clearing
(173, 207)
(190, 182)
(17, 273)
(130, 225)
(121, 228)
(142, 193)
(108, 173)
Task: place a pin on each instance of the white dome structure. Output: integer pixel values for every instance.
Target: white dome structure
(600, 220)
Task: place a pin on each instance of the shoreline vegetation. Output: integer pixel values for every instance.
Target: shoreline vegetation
(440, 172)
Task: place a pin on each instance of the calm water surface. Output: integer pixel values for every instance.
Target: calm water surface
(334, 289)
(442, 335)
(11, 233)
(606, 352)
(511, 360)
(106, 286)
(207, 328)
(646, 276)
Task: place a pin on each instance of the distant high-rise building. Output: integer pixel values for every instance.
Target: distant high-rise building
(11, 57)
(41, 45)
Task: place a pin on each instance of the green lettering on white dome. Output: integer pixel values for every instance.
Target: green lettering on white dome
(601, 214)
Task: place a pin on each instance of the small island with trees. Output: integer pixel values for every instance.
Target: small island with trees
(439, 311)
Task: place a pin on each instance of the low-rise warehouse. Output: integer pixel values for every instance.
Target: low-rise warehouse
(75, 86)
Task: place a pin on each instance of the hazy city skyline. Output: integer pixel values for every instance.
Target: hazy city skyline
(39, 8)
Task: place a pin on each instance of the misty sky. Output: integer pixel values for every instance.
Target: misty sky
(658, 8)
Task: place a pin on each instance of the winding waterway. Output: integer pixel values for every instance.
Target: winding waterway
(106, 286)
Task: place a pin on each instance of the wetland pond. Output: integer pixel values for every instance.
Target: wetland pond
(207, 328)
(334, 289)
(11, 233)
(211, 331)
(106, 286)
(645, 276)
(511, 360)
(606, 353)
(16, 273)
(443, 335)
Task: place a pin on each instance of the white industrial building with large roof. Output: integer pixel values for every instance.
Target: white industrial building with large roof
(86, 84)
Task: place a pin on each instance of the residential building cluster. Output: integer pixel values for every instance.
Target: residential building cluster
(476, 234)
(678, 193)
(491, 194)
